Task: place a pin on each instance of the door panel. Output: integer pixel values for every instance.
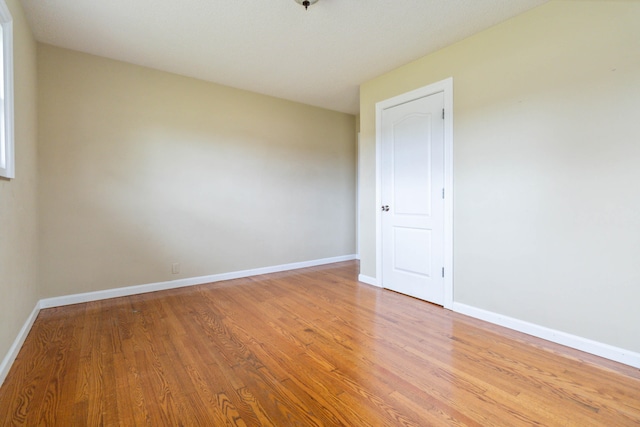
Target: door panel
(411, 166)
(412, 161)
(412, 250)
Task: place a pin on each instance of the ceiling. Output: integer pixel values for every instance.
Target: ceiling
(275, 47)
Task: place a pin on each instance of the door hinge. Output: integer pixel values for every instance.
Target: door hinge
(443, 193)
(442, 271)
(443, 114)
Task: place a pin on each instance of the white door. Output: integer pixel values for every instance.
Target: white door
(412, 193)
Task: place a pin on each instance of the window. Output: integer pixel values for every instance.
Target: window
(6, 93)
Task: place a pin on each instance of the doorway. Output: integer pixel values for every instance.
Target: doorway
(414, 167)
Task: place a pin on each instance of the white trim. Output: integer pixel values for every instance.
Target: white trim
(445, 86)
(173, 284)
(378, 212)
(368, 280)
(607, 351)
(593, 347)
(358, 168)
(448, 187)
(11, 355)
(6, 26)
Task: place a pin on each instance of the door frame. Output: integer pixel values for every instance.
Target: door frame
(445, 86)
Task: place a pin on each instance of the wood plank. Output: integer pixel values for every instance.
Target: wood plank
(306, 347)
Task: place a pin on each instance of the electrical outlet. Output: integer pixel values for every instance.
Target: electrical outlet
(175, 268)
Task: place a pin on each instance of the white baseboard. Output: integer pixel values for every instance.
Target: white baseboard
(607, 351)
(8, 360)
(173, 284)
(593, 347)
(368, 280)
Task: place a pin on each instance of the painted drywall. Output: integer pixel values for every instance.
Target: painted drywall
(141, 169)
(546, 176)
(18, 197)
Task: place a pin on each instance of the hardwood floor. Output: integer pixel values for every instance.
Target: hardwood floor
(309, 347)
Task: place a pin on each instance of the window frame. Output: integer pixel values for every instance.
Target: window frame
(7, 154)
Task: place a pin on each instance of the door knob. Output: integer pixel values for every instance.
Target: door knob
(385, 208)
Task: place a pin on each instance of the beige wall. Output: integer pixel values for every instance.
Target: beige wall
(141, 169)
(546, 158)
(18, 226)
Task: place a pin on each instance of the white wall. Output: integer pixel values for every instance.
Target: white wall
(141, 169)
(546, 155)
